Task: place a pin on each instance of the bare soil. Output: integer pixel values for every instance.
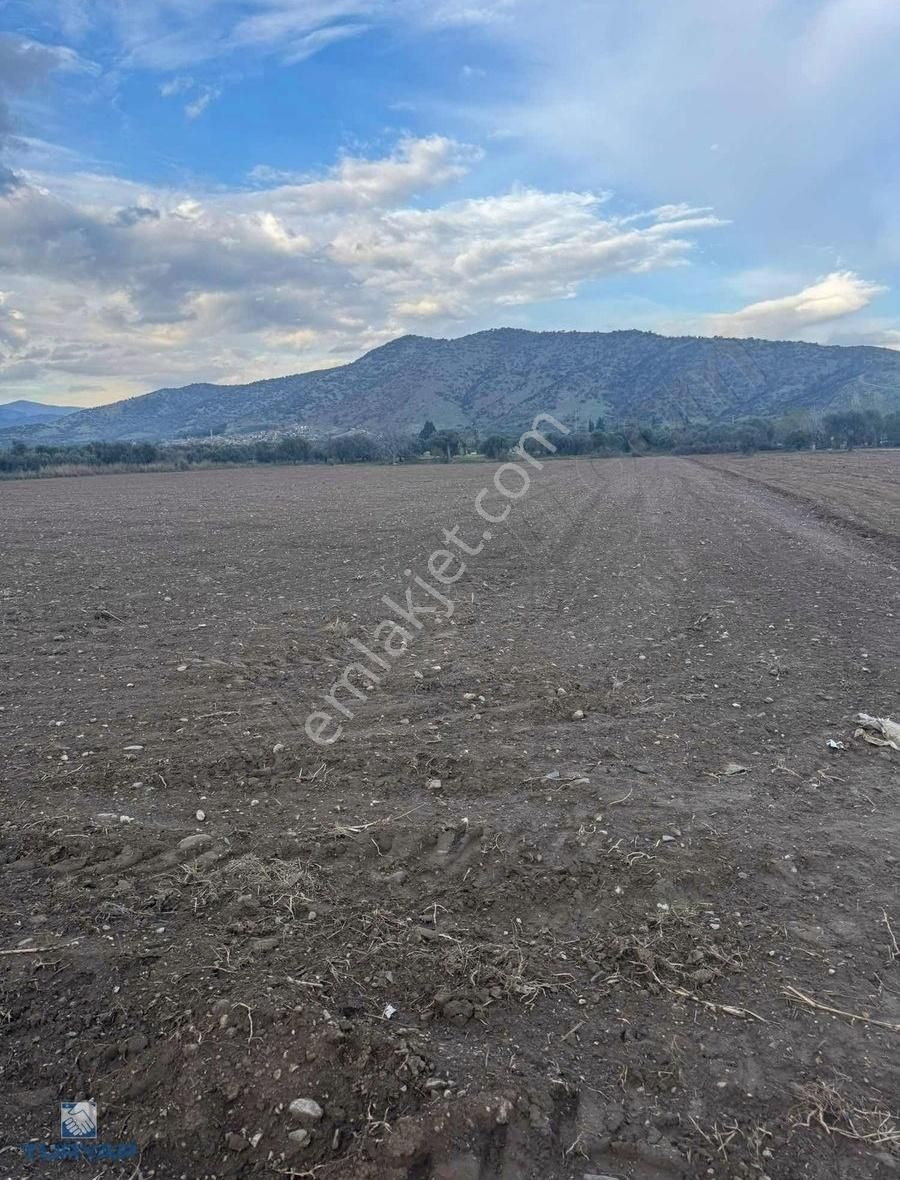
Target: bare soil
(489, 936)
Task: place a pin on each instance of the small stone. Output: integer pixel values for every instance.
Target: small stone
(307, 1109)
(459, 1011)
(578, 715)
(433, 784)
(201, 815)
(235, 1142)
(195, 841)
(504, 1109)
(300, 1138)
(667, 839)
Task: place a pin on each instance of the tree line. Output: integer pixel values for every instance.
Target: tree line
(797, 432)
(22, 459)
(792, 432)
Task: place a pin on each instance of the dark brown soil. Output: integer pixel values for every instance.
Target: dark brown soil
(603, 945)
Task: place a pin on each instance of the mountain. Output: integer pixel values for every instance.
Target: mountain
(500, 379)
(14, 413)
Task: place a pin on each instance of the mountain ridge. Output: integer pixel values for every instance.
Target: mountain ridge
(23, 411)
(500, 378)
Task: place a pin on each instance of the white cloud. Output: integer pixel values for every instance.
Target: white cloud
(415, 165)
(206, 94)
(202, 95)
(459, 12)
(128, 286)
(24, 66)
(298, 31)
(176, 86)
(175, 34)
(524, 246)
(874, 331)
(797, 99)
(837, 295)
(12, 327)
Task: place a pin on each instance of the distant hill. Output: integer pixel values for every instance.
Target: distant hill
(500, 379)
(14, 413)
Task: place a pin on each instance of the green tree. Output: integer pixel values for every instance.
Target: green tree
(494, 446)
(292, 450)
(445, 443)
(798, 439)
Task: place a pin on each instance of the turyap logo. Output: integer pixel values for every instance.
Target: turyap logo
(78, 1135)
(78, 1120)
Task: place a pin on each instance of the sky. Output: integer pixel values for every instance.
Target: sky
(225, 190)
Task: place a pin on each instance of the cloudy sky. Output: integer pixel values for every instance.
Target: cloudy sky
(230, 189)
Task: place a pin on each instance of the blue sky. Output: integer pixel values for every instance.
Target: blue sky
(225, 190)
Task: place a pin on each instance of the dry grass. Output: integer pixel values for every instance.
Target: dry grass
(823, 1105)
(294, 877)
(752, 1141)
(673, 949)
(280, 883)
(673, 953)
(66, 470)
(424, 962)
(798, 997)
(500, 970)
